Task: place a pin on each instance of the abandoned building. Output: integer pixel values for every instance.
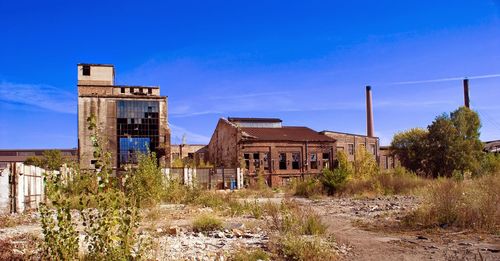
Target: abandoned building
(131, 119)
(197, 153)
(279, 152)
(492, 146)
(20, 155)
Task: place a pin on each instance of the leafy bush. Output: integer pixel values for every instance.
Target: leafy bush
(334, 180)
(206, 222)
(146, 183)
(109, 221)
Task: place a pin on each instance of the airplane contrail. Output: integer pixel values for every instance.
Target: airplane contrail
(447, 79)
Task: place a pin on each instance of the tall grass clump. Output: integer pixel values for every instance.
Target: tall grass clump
(206, 222)
(472, 204)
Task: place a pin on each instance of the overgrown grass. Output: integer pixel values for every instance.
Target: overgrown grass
(472, 204)
(395, 182)
(289, 218)
(8, 220)
(250, 255)
(206, 222)
(296, 247)
(309, 188)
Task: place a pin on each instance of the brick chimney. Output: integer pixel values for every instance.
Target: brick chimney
(466, 93)
(369, 112)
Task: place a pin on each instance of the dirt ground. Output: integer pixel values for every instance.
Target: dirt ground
(369, 227)
(365, 229)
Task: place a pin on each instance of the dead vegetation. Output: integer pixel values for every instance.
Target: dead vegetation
(472, 204)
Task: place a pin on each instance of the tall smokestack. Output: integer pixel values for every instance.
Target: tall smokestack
(466, 93)
(369, 112)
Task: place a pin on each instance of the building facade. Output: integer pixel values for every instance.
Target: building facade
(351, 143)
(196, 153)
(280, 153)
(130, 119)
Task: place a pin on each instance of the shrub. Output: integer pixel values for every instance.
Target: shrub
(310, 187)
(206, 222)
(471, 204)
(146, 183)
(334, 180)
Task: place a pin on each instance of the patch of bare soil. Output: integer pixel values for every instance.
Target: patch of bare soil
(371, 228)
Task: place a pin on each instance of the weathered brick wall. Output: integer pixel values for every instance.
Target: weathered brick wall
(223, 149)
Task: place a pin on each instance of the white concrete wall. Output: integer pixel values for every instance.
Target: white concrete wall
(4, 192)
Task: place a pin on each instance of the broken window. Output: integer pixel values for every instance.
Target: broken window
(256, 160)
(86, 70)
(372, 149)
(350, 149)
(314, 161)
(246, 156)
(266, 161)
(326, 160)
(282, 159)
(295, 160)
(122, 90)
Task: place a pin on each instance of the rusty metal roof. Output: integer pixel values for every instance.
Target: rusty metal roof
(300, 134)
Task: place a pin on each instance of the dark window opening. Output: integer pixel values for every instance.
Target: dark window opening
(314, 161)
(256, 160)
(131, 90)
(295, 160)
(150, 91)
(93, 162)
(247, 160)
(190, 155)
(122, 90)
(372, 149)
(140, 90)
(350, 149)
(86, 70)
(282, 159)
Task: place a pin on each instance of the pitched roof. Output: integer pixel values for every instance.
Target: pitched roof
(301, 134)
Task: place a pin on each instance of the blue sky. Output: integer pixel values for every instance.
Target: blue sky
(306, 63)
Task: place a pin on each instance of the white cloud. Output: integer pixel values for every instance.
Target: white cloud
(39, 95)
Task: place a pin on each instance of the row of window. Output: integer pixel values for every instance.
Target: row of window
(351, 150)
(284, 163)
(136, 90)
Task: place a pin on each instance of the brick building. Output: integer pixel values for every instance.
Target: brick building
(281, 152)
(195, 152)
(131, 119)
(350, 143)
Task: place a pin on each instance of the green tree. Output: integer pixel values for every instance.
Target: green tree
(410, 148)
(50, 160)
(453, 144)
(333, 180)
(365, 165)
